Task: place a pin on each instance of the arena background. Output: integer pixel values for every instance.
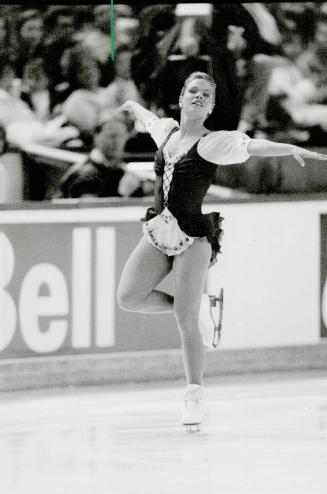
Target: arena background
(61, 258)
(90, 395)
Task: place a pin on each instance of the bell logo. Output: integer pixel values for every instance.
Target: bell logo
(8, 315)
(54, 306)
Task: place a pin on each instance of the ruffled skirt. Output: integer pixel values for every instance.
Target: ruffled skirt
(173, 236)
(164, 233)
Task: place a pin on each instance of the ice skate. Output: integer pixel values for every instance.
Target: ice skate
(210, 319)
(193, 408)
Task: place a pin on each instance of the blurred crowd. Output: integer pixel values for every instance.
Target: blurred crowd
(62, 79)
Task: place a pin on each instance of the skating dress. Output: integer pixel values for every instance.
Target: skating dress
(176, 217)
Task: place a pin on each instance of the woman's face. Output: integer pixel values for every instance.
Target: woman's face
(198, 98)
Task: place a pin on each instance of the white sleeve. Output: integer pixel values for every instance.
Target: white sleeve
(159, 128)
(224, 147)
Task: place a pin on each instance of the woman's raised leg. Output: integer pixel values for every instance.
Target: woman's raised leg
(190, 270)
(146, 267)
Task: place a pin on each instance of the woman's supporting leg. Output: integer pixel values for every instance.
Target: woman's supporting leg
(190, 270)
(146, 267)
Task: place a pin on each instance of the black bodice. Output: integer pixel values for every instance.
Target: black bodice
(192, 177)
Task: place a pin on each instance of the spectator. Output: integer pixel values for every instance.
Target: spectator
(86, 109)
(6, 39)
(299, 86)
(126, 23)
(155, 23)
(126, 28)
(79, 65)
(29, 38)
(87, 63)
(79, 69)
(82, 110)
(22, 124)
(14, 110)
(163, 35)
(184, 49)
(11, 108)
(237, 26)
(265, 22)
(102, 174)
(203, 43)
(4, 33)
(122, 88)
(98, 41)
(297, 17)
(313, 60)
(35, 88)
(84, 21)
(102, 18)
(59, 23)
(59, 28)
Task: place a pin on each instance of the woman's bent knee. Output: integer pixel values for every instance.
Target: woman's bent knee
(126, 300)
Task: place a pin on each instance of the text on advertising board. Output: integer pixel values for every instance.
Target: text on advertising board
(53, 302)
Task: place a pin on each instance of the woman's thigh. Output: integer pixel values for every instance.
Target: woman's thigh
(146, 267)
(190, 271)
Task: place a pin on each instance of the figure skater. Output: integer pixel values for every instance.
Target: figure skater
(177, 236)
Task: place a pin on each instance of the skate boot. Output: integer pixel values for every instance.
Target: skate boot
(193, 408)
(210, 319)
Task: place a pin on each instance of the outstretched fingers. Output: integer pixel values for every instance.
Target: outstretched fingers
(319, 156)
(302, 154)
(299, 159)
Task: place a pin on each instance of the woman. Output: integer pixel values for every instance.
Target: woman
(29, 38)
(178, 237)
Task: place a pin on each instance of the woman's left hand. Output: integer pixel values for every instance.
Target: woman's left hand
(300, 154)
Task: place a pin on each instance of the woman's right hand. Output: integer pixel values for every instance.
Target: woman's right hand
(133, 109)
(128, 106)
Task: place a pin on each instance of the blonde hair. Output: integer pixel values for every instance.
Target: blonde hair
(200, 75)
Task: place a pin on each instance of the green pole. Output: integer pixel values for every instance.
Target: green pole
(112, 29)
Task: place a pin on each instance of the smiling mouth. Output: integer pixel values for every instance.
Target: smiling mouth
(199, 103)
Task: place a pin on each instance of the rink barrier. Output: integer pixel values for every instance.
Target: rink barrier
(152, 366)
(43, 167)
(60, 323)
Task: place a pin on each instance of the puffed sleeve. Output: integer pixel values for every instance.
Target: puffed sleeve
(224, 147)
(159, 128)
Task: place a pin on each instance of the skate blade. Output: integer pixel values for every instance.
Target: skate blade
(191, 428)
(218, 327)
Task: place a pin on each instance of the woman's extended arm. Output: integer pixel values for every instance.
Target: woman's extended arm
(140, 113)
(264, 147)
